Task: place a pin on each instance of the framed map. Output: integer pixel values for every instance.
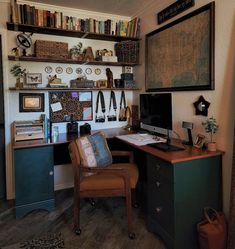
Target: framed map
(180, 55)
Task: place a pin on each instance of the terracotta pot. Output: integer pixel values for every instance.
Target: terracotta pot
(211, 146)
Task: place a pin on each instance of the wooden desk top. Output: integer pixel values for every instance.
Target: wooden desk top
(63, 138)
(190, 152)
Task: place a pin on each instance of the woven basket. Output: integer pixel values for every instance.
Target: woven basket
(127, 51)
(51, 49)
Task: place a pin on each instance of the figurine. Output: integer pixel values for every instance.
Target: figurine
(109, 77)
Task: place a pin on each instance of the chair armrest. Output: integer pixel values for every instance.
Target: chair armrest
(130, 154)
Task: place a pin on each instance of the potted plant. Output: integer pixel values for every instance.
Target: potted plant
(76, 52)
(19, 73)
(211, 127)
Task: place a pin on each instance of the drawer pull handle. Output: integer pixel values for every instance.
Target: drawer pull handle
(158, 166)
(159, 210)
(158, 184)
(51, 173)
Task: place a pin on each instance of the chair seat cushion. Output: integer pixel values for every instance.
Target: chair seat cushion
(110, 180)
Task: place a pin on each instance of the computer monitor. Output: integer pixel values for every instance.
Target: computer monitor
(156, 113)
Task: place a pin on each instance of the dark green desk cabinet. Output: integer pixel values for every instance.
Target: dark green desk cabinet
(34, 179)
(176, 196)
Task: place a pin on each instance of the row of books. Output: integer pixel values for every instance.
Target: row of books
(29, 15)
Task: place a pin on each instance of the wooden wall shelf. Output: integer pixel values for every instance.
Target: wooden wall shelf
(63, 32)
(69, 61)
(64, 89)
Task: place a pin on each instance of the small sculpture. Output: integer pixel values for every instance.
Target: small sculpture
(109, 77)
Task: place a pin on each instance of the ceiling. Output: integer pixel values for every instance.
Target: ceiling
(116, 7)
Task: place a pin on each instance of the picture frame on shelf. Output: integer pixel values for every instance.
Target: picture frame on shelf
(198, 143)
(31, 102)
(33, 78)
(180, 55)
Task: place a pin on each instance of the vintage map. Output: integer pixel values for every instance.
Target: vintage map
(179, 56)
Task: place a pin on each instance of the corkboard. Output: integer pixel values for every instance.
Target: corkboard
(65, 106)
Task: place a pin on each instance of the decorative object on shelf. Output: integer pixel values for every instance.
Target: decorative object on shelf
(76, 52)
(53, 82)
(59, 70)
(201, 106)
(19, 73)
(199, 141)
(79, 70)
(88, 56)
(33, 78)
(118, 83)
(24, 42)
(51, 49)
(127, 69)
(109, 75)
(127, 51)
(88, 71)
(31, 102)
(72, 126)
(174, 71)
(97, 71)
(48, 69)
(211, 127)
(101, 83)
(105, 55)
(69, 70)
(82, 82)
(174, 9)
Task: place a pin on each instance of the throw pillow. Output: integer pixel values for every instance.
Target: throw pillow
(94, 150)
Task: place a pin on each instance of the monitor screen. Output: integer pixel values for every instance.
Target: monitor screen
(156, 112)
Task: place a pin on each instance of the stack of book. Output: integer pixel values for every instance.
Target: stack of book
(29, 15)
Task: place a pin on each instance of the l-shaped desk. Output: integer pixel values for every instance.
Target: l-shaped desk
(175, 185)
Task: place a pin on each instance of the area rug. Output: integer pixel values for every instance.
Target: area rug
(51, 241)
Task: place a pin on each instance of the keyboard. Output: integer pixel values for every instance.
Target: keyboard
(166, 147)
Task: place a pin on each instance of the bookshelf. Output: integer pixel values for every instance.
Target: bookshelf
(70, 61)
(65, 32)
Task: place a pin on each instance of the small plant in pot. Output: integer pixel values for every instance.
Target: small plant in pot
(76, 52)
(211, 127)
(19, 73)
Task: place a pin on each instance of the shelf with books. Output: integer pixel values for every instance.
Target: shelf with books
(65, 32)
(69, 61)
(50, 89)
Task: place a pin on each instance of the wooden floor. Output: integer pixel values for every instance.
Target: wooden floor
(103, 226)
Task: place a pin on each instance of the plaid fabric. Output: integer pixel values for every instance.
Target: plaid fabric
(94, 151)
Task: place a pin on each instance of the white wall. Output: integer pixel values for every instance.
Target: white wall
(222, 98)
(63, 174)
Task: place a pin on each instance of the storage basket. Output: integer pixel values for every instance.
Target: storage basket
(51, 49)
(127, 51)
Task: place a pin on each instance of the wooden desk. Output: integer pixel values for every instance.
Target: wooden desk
(175, 185)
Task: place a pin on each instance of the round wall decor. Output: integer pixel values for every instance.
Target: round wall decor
(48, 69)
(59, 70)
(79, 70)
(97, 71)
(88, 70)
(69, 70)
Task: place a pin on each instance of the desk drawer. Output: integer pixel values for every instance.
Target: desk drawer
(160, 188)
(162, 213)
(158, 167)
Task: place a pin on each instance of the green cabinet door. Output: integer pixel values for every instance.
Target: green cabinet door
(34, 179)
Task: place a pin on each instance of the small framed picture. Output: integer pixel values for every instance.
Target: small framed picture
(101, 83)
(31, 102)
(33, 78)
(199, 141)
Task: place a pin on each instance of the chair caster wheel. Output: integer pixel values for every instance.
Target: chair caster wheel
(78, 231)
(132, 235)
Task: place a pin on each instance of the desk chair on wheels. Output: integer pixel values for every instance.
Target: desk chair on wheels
(96, 176)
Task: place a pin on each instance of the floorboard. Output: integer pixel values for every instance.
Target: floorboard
(103, 226)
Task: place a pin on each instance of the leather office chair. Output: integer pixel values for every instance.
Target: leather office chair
(117, 179)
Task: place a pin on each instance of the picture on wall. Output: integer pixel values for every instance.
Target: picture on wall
(31, 102)
(180, 55)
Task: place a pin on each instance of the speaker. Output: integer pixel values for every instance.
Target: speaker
(135, 123)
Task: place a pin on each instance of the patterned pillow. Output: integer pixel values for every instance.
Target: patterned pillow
(94, 150)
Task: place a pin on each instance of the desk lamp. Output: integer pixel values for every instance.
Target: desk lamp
(189, 127)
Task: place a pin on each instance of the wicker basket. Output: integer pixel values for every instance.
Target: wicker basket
(51, 49)
(127, 51)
